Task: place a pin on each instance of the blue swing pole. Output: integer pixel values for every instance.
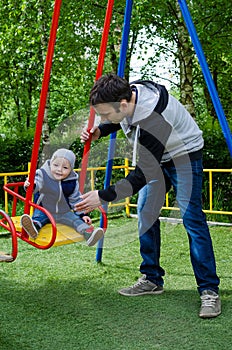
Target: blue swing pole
(112, 143)
(207, 75)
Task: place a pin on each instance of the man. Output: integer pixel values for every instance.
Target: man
(170, 153)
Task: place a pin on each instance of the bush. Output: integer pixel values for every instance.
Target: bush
(15, 153)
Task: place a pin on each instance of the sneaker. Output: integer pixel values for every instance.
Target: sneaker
(29, 226)
(142, 287)
(5, 257)
(93, 236)
(210, 304)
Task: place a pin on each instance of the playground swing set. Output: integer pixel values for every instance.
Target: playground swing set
(56, 234)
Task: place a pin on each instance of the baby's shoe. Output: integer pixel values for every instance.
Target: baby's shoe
(92, 236)
(29, 227)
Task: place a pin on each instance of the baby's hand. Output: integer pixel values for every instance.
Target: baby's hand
(26, 184)
(87, 219)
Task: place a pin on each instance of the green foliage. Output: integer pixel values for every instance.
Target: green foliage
(15, 155)
(24, 33)
(213, 25)
(21, 62)
(216, 153)
(15, 152)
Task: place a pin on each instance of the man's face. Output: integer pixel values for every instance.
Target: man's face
(107, 112)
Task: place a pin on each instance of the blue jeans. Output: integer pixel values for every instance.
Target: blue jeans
(186, 180)
(70, 219)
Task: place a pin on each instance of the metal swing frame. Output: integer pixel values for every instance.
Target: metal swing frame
(6, 221)
(10, 223)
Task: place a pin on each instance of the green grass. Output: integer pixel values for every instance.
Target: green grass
(61, 299)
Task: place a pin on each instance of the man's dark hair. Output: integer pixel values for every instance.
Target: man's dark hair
(110, 88)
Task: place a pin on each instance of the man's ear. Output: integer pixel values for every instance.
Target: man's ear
(123, 105)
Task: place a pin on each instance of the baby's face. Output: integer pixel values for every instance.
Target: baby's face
(60, 168)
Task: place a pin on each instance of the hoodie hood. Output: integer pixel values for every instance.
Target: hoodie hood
(47, 167)
(146, 101)
(65, 153)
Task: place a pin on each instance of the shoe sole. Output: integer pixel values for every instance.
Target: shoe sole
(210, 315)
(28, 226)
(96, 236)
(5, 257)
(143, 293)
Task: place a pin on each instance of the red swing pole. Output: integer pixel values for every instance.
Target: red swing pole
(101, 58)
(42, 104)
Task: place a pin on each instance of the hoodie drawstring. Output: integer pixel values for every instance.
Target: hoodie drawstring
(135, 146)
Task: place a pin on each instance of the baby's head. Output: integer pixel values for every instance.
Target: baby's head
(62, 163)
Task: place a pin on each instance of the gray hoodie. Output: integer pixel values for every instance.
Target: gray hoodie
(185, 136)
(163, 135)
(56, 196)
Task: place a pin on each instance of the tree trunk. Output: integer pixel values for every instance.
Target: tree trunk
(186, 55)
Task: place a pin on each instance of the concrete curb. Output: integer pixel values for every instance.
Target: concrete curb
(180, 221)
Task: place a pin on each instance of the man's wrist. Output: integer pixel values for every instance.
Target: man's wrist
(107, 195)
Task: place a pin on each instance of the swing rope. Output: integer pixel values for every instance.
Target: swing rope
(42, 103)
(101, 58)
(112, 144)
(44, 93)
(38, 131)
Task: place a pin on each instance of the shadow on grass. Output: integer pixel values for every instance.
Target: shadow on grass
(61, 300)
(84, 314)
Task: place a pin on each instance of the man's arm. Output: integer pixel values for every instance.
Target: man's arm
(108, 128)
(154, 134)
(97, 132)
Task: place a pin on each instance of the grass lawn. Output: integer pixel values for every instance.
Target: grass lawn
(61, 299)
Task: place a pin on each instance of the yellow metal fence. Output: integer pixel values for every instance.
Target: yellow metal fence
(127, 203)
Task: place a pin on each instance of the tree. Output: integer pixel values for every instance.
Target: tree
(213, 24)
(24, 31)
(21, 62)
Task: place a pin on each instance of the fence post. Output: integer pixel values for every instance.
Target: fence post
(210, 190)
(6, 196)
(126, 162)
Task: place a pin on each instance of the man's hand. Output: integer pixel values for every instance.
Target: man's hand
(95, 132)
(90, 201)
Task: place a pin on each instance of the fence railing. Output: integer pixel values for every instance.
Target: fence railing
(208, 207)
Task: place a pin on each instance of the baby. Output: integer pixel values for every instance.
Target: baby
(56, 188)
